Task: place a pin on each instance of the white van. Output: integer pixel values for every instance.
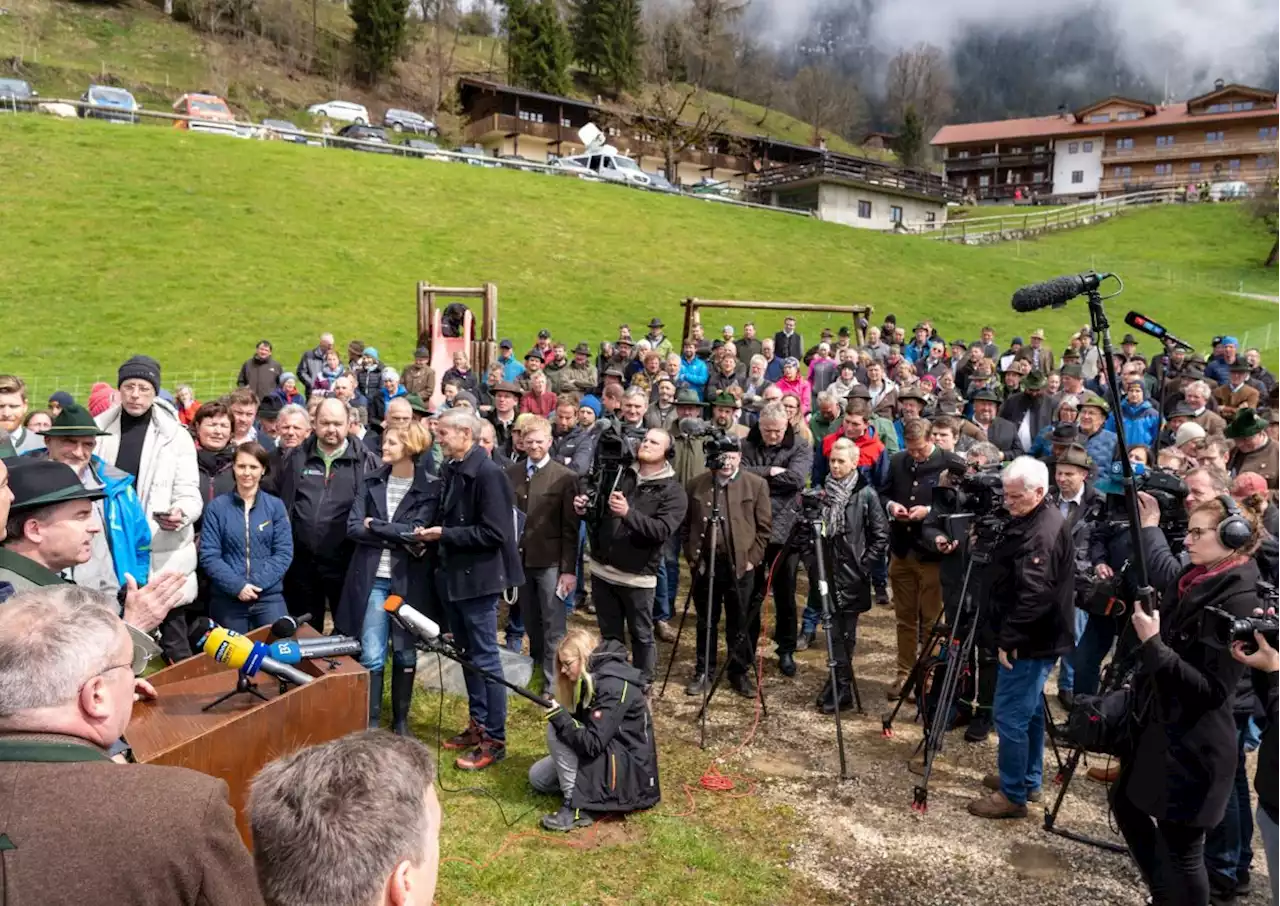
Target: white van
(603, 161)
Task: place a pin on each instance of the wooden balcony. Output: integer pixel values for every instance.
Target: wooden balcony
(1253, 177)
(1189, 150)
(855, 170)
(504, 124)
(999, 161)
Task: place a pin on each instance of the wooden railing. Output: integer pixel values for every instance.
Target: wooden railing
(865, 172)
(1243, 147)
(1032, 219)
(1147, 182)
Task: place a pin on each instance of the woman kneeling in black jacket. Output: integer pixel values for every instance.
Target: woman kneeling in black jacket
(857, 539)
(603, 756)
(1174, 784)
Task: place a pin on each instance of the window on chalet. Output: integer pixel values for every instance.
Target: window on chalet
(930, 217)
(1088, 147)
(864, 209)
(1124, 144)
(1077, 177)
(895, 214)
(1073, 148)
(1122, 172)
(961, 155)
(1195, 166)
(530, 117)
(1216, 136)
(1099, 117)
(1126, 115)
(1164, 169)
(1037, 176)
(1265, 161)
(564, 121)
(1233, 164)
(1218, 108)
(1016, 149)
(1242, 105)
(984, 181)
(1037, 148)
(1164, 141)
(1267, 132)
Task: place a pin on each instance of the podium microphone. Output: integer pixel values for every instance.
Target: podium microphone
(293, 651)
(247, 656)
(419, 624)
(287, 627)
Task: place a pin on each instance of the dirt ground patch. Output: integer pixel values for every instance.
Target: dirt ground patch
(861, 842)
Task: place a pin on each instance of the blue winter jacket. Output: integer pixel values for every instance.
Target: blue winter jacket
(694, 374)
(128, 534)
(239, 548)
(1102, 448)
(1141, 423)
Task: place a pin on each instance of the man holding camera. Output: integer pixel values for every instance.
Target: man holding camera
(740, 547)
(644, 509)
(1032, 586)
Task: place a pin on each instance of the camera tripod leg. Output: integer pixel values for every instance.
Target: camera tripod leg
(739, 645)
(915, 679)
(675, 646)
(1049, 731)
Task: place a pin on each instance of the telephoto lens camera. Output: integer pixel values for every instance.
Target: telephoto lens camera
(1222, 629)
(1168, 490)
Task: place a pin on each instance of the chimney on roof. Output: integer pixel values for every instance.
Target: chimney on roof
(1217, 84)
(1065, 114)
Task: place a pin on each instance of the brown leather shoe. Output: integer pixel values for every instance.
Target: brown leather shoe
(467, 739)
(483, 755)
(895, 689)
(994, 805)
(662, 629)
(1109, 774)
(992, 782)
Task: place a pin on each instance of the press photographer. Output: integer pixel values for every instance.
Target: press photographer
(1031, 587)
(1180, 765)
(638, 505)
(1265, 664)
(857, 538)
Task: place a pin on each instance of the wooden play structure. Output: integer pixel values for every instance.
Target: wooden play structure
(692, 307)
(480, 345)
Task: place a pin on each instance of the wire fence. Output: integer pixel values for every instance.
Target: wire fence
(206, 385)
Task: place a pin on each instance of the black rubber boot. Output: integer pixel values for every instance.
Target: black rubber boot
(823, 701)
(401, 695)
(375, 699)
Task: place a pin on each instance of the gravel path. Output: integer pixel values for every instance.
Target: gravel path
(861, 841)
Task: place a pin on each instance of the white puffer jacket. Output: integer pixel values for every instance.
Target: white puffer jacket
(168, 477)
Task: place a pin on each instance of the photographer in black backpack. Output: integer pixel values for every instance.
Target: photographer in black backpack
(1179, 767)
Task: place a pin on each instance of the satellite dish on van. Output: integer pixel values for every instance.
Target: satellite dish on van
(591, 137)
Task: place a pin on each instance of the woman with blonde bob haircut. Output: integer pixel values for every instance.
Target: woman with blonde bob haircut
(603, 756)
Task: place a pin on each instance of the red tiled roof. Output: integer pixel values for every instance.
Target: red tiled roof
(1051, 126)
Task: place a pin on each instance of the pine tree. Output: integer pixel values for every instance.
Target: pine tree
(910, 137)
(379, 36)
(588, 22)
(621, 42)
(538, 46)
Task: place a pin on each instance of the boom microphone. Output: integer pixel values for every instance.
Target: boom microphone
(293, 651)
(287, 627)
(1055, 293)
(1151, 328)
(419, 624)
(242, 653)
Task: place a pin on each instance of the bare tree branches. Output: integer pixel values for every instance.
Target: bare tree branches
(676, 120)
(918, 77)
(826, 101)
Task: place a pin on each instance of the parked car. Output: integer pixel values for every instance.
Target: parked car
(213, 114)
(519, 162)
(346, 111)
(108, 103)
(426, 150)
(661, 183)
(399, 120)
(1225, 191)
(285, 131)
(373, 138)
(17, 94)
(478, 156)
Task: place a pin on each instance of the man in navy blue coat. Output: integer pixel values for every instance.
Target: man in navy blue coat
(478, 561)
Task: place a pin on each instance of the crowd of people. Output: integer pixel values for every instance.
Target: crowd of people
(325, 490)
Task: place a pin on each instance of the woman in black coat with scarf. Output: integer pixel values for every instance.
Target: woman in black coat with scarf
(397, 499)
(1175, 779)
(857, 539)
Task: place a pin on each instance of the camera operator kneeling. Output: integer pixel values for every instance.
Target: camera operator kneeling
(1174, 784)
(603, 756)
(857, 538)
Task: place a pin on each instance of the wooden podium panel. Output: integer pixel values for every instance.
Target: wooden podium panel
(234, 740)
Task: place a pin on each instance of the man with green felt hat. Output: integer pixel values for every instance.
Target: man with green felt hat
(1253, 450)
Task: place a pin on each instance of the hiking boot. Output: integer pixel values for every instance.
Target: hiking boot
(992, 782)
(699, 686)
(482, 756)
(978, 730)
(895, 689)
(1109, 774)
(566, 819)
(742, 684)
(994, 805)
(467, 739)
(882, 596)
(787, 664)
(806, 640)
(662, 629)
(828, 706)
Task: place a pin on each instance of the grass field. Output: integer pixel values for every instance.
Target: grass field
(123, 239)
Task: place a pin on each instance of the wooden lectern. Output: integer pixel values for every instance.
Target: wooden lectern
(234, 740)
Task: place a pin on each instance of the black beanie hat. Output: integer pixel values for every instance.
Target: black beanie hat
(142, 367)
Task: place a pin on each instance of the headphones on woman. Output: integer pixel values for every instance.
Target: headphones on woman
(1234, 531)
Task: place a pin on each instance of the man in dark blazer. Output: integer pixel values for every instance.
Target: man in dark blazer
(76, 827)
(544, 491)
(478, 561)
(787, 344)
(999, 431)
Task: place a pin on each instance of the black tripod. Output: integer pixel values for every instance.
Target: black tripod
(244, 686)
(819, 529)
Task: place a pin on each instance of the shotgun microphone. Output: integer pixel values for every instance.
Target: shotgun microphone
(1151, 328)
(419, 624)
(247, 656)
(1055, 293)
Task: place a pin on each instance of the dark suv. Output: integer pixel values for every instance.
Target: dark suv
(374, 135)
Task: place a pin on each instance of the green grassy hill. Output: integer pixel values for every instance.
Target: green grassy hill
(121, 239)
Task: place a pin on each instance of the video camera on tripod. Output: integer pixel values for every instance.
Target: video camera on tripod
(616, 447)
(1168, 490)
(978, 496)
(716, 443)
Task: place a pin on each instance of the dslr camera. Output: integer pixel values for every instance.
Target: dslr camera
(1221, 629)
